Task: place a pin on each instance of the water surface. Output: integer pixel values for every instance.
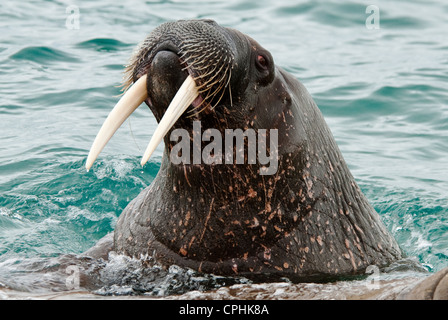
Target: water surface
(382, 91)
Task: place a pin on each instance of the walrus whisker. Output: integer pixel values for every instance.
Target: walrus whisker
(203, 108)
(230, 90)
(210, 85)
(199, 58)
(207, 86)
(206, 74)
(191, 58)
(230, 76)
(221, 85)
(222, 94)
(193, 112)
(211, 96)
(209, 71)
(205, 67)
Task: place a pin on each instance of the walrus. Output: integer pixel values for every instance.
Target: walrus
(308, 221)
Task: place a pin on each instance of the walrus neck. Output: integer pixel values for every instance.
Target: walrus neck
(341, 216)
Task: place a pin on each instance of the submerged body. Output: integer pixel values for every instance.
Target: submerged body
(307, 221)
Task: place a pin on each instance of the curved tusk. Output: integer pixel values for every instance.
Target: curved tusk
(128, 103)
(187, 93)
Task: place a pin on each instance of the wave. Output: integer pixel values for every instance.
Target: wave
(358, 101)
(43, 55)
(103, 44)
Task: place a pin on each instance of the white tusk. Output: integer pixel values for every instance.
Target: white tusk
(187, 93)
(128, 103)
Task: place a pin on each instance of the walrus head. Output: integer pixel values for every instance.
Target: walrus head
(188, 66)
(307, 220)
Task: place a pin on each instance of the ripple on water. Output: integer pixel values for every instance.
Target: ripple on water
(103, 44)
(43, 55)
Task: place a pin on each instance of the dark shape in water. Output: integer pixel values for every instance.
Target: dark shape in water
(308, 222)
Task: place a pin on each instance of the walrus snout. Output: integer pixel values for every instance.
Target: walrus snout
(203, 46)
(165, 77)
(203, 50)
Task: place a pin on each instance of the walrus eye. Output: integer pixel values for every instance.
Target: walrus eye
(262, 62)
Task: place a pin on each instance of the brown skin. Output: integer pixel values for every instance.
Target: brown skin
(309, 221)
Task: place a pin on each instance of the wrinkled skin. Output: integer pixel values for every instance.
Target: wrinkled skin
(309, 221)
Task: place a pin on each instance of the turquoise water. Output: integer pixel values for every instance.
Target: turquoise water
(382, 91)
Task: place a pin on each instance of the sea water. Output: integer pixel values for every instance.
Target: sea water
(379, 75)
